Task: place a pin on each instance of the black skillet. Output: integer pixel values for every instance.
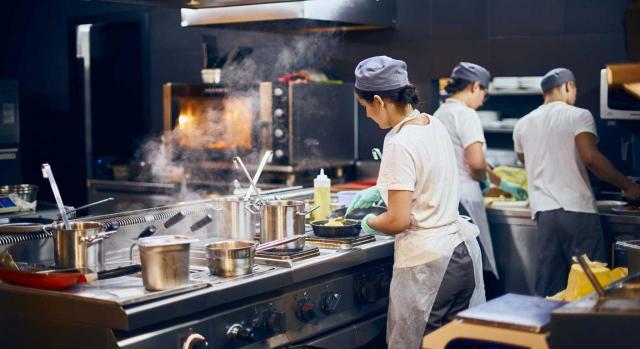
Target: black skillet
(349, 228)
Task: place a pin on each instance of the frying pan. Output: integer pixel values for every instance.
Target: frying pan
(63, 279)
(349, 228)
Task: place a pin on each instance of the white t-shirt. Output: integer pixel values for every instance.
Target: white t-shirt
(465, 128)
(420, 158)
(556, 174)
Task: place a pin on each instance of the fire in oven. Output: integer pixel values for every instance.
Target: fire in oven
(301, 123)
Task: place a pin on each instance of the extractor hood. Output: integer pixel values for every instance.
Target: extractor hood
(307, 15)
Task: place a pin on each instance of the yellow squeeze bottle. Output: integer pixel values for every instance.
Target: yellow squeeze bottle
(321, 196)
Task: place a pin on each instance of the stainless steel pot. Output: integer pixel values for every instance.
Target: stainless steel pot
(281, 219)
(236, 257)
(82, 246)
(231, 258)
(165, 261)
(235, 221)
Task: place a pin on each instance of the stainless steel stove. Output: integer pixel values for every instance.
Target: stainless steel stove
(331, 298)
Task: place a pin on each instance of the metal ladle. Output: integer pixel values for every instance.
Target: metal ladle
(253, 186)
(268, 155)
(47, 173)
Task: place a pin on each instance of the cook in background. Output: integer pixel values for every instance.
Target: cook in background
(555, 142)
(438, 263)
(467, 91)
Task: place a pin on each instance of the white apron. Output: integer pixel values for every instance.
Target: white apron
(414, 289)
(472, 200)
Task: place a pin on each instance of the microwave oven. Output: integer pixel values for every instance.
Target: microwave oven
(615, 103)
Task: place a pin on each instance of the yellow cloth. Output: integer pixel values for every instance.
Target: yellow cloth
(515, 175)
(578, 284)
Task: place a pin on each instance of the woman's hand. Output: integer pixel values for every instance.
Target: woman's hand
(397, 218)
(365, 225)
(365, 199)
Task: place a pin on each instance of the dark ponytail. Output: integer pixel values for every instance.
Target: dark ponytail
(456, 85)
(402, 95)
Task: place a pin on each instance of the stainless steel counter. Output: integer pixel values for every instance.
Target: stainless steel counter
(513, 235)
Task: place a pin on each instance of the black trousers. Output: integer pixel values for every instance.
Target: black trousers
(455, 290)
(562, 235)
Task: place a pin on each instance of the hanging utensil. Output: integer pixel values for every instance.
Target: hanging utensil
(47, 173)
(76, 209)
(240, 164)
(267, 157)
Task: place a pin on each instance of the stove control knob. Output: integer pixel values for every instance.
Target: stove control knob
(278, 132)
(305, 309)
(385, 284)
(276, 322)
(329, 302)
(278, 92)
(278, 113)
(279, 153)
(238, 331)
(369, 291)
(195, 340)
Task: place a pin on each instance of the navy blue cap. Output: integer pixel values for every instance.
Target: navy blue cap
(471, 72)
(381, 73)
(556, 77)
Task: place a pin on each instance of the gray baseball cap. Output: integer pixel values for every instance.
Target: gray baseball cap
(556, 77)
(381, 73)
(471, 72)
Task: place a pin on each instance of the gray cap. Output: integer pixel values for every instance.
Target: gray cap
(471, 72)
(556, 77)
(381, 73)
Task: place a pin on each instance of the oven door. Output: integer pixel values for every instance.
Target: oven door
(365, 333)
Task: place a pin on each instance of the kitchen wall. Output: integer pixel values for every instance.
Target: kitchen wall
(509, 37)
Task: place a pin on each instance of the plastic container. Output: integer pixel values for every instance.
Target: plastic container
(322, 196)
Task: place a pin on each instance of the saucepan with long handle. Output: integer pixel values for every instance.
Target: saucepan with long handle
(236, 257)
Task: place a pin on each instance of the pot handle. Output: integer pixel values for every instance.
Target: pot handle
(90, 240)
(131, 251)
(304, 213)
(253, 208)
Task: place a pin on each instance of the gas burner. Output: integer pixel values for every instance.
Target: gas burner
(285, 258)
(340, 243)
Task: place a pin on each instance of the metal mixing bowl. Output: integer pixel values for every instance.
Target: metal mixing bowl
(26, 192)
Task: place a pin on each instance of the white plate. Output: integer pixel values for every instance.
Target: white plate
(621, 210)
(610, 203)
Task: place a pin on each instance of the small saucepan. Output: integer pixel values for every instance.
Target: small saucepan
(336, 228)
(236, 257)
